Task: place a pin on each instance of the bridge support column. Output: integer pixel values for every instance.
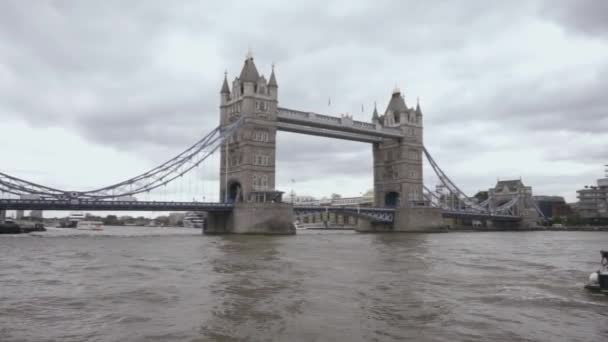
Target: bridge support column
(2, 215)
(489, 224)
(529, 218)
(253, 218)
(365, 226)
(418, 220)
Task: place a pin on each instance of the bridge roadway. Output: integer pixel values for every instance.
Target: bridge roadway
(373, 214)
(387, 214)
(24, 204)
(296, 121)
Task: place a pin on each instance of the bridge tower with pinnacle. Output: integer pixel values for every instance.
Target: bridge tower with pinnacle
(248, 159)
(398, 181)
(398, 163)
(247, 166)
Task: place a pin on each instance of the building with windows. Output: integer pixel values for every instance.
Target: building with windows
(593, 200)
(552, 206)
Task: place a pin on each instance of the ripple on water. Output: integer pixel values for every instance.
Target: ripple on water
(317, 286)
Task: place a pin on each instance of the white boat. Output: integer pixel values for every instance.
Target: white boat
(194, 219)
(72, 220)
(89, 225)
(598, 281)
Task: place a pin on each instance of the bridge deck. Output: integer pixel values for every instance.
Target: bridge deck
(20, 204)
(379, 214)
(387, 214)
(296, 121)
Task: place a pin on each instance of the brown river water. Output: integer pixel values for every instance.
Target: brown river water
(154, 284)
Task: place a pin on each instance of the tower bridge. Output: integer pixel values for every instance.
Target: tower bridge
(250, 117)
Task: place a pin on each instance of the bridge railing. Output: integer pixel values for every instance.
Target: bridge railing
(338, 121)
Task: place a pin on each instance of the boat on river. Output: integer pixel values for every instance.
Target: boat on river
(72, 220)
(18, 227)
(598, 280)
(194, 219)
(89, 225)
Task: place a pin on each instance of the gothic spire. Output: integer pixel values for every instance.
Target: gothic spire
(375, 116)
(249, 73)
(273, 80)
(225, 88)
(418, 110)
(396, 104)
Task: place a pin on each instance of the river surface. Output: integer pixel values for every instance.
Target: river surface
(155, 284)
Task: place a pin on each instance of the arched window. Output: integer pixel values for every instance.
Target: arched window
(391, 199)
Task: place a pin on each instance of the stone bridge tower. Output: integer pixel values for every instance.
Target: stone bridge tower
(247, 168)
(248, 161)
(398, 163)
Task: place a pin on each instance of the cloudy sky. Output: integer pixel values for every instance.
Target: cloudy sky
(93, 92)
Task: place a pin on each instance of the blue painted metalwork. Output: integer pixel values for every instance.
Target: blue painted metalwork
(80, 204)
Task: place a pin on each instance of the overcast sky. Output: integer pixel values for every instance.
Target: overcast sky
(93, 92)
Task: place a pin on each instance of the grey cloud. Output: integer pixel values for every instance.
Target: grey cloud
(552, 101)
(588, 153)
(143, 76)
(306, 157)
(586, 17)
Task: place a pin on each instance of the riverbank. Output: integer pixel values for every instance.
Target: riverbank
(537, 228)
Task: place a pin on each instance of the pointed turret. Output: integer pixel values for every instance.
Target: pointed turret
(225, 88)
(375, 116)
(396, 104)
(418, 110)
(273, 80)
(225, 92)
(249, 72)
(273, 87)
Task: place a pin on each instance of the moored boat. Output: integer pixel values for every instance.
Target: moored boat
(9, 227)
(72, 220)
(17, 227)
(194, 219)
(89, 225)
(598, 280)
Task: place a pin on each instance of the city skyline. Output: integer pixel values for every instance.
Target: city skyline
(496, 105)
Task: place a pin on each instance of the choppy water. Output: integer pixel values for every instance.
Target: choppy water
(136, 284)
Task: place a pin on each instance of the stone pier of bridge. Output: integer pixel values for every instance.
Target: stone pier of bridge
(407, 219)
(253, 218)
(247, 167)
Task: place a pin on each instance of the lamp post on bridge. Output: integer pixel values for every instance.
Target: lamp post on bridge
(292, 193)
